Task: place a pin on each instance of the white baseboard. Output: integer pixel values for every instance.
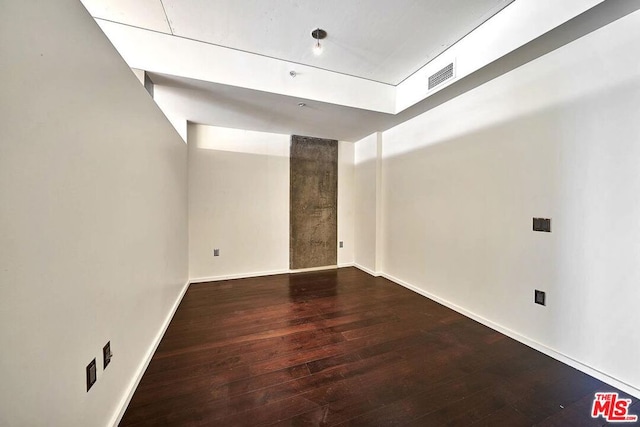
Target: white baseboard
(346, 264)
(627, 388)
(122, 407)
(237, 276)
(366, 270)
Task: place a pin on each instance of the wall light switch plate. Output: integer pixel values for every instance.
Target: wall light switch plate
(540, 297)
(341, 244)
(216, 252)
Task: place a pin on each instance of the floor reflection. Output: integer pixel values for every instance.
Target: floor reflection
(311, 285)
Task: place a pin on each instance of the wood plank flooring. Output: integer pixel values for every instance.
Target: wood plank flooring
(344, 348)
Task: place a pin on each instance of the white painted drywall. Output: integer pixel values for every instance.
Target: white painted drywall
(93, 218)
(558, 137)
(365, 202)
(238, 202)
(346, 212)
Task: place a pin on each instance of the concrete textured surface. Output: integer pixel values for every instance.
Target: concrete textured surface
(313, 196)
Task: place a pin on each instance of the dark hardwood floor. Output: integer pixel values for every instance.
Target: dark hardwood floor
(345, 348)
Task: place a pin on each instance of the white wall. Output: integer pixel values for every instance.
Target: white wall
(93, 218)
(239, 202)
(560, 138)
(346, 208)
(365, 197)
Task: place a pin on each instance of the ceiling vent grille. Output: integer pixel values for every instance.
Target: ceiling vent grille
(440, 76)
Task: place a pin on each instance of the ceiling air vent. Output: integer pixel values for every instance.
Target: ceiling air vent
(440, 76)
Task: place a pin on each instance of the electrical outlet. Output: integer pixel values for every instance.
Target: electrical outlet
(106, 355)
(542, 224)
(341, 244)
(540, 297)
(92, 374)
(216, 252)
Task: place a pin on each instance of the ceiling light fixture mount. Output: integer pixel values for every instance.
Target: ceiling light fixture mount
(318, 34)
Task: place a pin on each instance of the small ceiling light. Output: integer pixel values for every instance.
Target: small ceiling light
(293, 73)
(318, 35)
(301, 104)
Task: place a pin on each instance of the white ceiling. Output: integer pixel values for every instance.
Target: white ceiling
(380, 40)
(222, 82)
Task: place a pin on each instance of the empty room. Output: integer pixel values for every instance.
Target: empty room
(319, 213)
